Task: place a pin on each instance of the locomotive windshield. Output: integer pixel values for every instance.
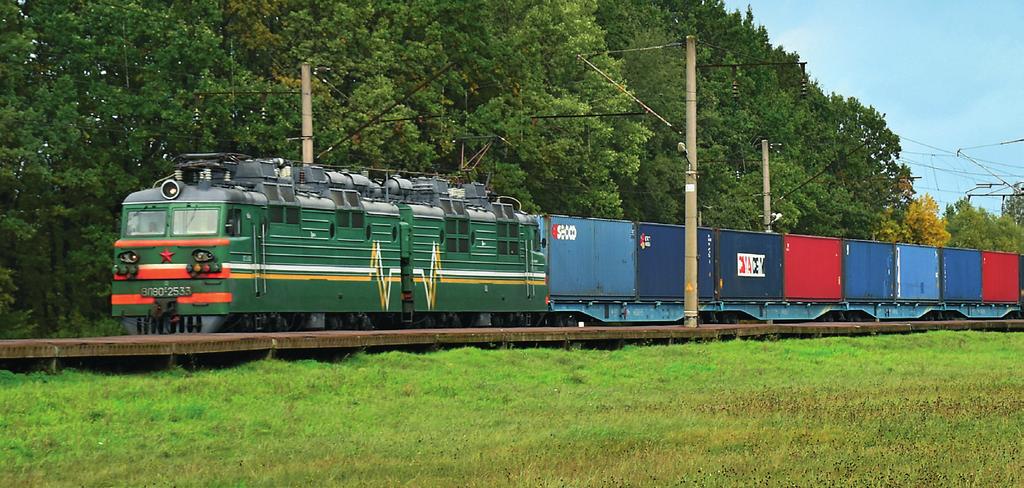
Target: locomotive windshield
(195, 221)
(146, 223)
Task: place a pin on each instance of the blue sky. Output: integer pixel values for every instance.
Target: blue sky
(946, 74)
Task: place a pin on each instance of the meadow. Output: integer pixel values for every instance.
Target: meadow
(939, 408)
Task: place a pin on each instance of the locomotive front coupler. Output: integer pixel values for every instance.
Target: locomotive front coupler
(165, 307)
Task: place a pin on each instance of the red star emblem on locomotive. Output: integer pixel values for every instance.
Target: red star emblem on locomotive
(166, 255)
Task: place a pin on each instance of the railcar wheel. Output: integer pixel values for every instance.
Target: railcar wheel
(426, 321)
(333, 322)
(451, 320)
(295, 322)
(365, 322)
(468, 319)
(561, 320)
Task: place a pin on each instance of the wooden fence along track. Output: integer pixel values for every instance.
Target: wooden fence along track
(148, 352)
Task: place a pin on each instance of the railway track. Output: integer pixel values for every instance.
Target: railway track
(125, 353)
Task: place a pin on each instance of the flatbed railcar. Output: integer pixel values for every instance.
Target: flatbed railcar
(235, 243)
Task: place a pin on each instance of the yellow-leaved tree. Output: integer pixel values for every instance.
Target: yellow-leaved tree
(920, 224)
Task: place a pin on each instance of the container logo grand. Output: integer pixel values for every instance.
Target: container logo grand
(750, 265)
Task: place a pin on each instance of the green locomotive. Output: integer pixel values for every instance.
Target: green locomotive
(235, 243)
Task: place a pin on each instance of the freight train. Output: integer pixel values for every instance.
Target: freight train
(235, 243)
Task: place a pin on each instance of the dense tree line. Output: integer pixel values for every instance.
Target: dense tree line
(977, 228)
(97, 96)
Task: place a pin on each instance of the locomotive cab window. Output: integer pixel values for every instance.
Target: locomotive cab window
(233, 227)
(195, 221)
(508, 238)
(291, 215)
(350, 219)
(344, 218)
(457, 231)
(276, 215)
(146, 223)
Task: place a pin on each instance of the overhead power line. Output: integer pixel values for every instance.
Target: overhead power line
(1013, 166)
(822, 171)
(947, 151)
(373, 120)
(960, 154)
(949, 170)
(647, 48)
(578, 116)
(992, 144)
(623, 89)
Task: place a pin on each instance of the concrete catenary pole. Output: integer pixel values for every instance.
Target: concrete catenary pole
(307, 115)
(767, 186)
(690, 297)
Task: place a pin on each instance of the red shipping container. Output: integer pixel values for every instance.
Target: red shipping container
(1000, 277)
(813, 268)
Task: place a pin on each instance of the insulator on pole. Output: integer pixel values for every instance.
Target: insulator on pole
(735, 85)
(803, 80)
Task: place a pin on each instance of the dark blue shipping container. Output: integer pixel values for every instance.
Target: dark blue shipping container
(917, 272)
(961, 275)
(868, 271)
(660, 259)
(591, 258)
(661, 262)
(749, 265)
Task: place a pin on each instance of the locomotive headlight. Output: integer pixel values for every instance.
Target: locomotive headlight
(170, 189)
(128, 257)
(202, 255)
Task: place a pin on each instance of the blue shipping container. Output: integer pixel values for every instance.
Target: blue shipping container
(591, 258)
(961, 275)
(917, 272)
(660, 259)
(749, 265)
(868, 271)
(661, 262)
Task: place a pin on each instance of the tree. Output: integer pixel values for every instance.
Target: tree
(976, 228)
(837, 167)
(920, 224)
(97, 97)
(1013, 207)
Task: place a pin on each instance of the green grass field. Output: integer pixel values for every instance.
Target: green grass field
(942, 408)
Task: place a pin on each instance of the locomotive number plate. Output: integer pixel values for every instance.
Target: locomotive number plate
(166, 291)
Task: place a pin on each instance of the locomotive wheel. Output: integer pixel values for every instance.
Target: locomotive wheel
(427, 321)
